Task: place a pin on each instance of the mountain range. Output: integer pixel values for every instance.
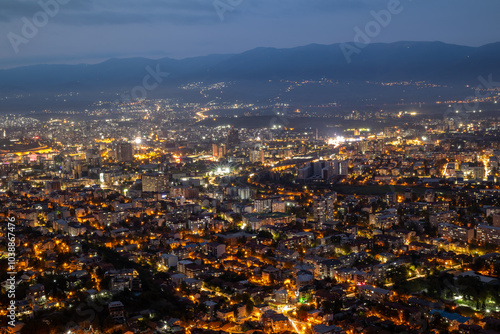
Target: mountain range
(435, 62)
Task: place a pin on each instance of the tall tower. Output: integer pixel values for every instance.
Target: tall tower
(125, 152)
(233, 138)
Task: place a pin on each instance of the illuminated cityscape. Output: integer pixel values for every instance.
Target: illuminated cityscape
(208, 168)
(177, 225)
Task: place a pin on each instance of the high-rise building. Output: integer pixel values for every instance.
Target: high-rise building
(363, 146)
(256, 156)
(93, 158)
(263, 205)
(233, 138)
(244, 193)
(454, 232)
(219, 151)
(488, 234)
(319, 210)
(327, 173)
(154, 182)
(53, 185)
(124, 152)
(305, 172)
(80, 170)
(323, 169)
(323, 208)
(341, 167)
(318, 167)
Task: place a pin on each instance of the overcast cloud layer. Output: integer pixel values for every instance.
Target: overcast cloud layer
(89, 31)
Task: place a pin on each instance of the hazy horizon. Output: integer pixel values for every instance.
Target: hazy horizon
(103, 60)
(69, 32)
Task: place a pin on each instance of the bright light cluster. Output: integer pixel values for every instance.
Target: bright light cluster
(337, 141)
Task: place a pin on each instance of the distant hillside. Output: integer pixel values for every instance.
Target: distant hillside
(401, 61)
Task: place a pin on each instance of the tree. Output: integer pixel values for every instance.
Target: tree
(249, 306)
(332, 306)
(346, 249)
(265, 234)
(398, 274)
(496, 269)
(35, 326)
(105, 283)
(237, 218)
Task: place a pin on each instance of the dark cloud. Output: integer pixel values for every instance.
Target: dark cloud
(14, 10)
(114, 11)
(176, 11)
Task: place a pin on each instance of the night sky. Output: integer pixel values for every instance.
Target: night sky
(90, 31)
